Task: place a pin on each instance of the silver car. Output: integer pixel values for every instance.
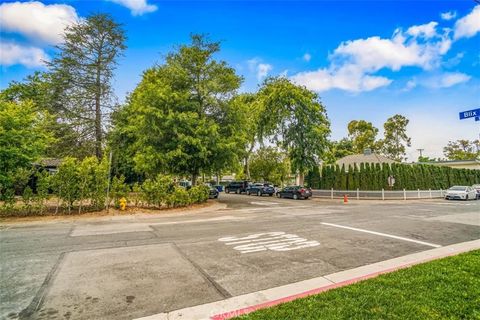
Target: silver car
(461, 193)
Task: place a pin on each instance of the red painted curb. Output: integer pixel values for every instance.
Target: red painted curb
(239, 312)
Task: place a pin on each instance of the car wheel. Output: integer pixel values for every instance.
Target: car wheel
(271, 194)
(295, 197)
(259, 193)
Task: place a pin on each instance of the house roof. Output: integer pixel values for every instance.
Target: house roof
(451, 162)
(49, 162)
(363, 158)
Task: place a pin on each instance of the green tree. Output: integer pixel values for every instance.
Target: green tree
(83, 70)
(395, 138)
(268, 164)
(296, 120)
(462, 150)
(338, 149)
(23, 138)
(245, 111)
(40, 90)
(178, 115)
(363, 135)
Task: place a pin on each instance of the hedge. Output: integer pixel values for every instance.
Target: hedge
(375, 177)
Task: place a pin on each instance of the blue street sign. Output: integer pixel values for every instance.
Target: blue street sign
(475, 113)
(477, 118)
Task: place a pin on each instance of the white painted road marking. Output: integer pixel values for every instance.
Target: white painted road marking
(383, 235)
(264, 203)
(275, 241)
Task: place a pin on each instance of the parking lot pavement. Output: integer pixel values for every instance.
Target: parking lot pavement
(127, 268)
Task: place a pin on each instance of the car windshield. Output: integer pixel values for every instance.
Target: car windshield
(458, 188)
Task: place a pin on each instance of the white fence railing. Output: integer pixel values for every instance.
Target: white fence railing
(381, 194)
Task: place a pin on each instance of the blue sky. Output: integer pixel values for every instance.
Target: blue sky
(367, 60)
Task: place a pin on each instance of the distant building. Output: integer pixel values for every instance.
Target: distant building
(457, 164)
(49, 164)
(367, 157)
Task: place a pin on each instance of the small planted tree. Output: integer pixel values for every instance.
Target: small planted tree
(66, 183)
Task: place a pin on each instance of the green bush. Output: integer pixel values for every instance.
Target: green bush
(199, 194)
(119, 190)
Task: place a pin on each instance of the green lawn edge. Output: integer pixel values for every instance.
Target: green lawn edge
(447, 288)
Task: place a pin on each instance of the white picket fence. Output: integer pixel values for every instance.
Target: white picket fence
(380, 195)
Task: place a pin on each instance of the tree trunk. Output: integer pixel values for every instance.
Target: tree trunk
(194, 179)
(98, 115)
(301, 178)
(246, 167)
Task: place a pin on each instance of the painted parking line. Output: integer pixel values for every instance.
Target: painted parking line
(383, 234)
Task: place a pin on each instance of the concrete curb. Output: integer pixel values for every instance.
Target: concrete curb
(235, 306)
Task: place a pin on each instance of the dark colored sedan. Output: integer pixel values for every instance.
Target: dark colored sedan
(260, 189)
(295, 192)
(213, 193)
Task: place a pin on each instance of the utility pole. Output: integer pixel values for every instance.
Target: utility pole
(421, 152)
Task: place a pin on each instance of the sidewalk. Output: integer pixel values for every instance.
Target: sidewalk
(235, 306)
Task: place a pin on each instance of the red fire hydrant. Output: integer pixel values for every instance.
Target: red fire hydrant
(345, 198)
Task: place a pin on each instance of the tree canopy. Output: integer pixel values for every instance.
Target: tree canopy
(462, 150)
(296, 120)
(178, 115)
(23, 137)
(363, 135)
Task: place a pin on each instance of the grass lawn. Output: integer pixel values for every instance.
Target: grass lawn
(448, 288)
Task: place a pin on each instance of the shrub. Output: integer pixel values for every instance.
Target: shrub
(119, 190)
(198, 194)
(66, 183)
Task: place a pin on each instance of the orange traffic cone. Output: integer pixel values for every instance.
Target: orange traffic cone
(345, 198)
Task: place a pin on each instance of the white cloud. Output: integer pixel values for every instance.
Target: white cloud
(137, 7)
(353, 63)
(307, 57)
(446, 80)
(12, 53)
(425, 30)
(39, 22)
(449, 15)
(410, 85)
(348, 78)
(261, 69)
(469, 25)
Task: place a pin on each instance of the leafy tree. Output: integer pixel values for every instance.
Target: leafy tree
(462, 150)
(296, 120)
(40, 90)
(395, 138)
(270, 165)
(178, 115)
(83, 70)
(66, 184)
(245, 111)
(339, 149)
(23, 138)
(362, 135)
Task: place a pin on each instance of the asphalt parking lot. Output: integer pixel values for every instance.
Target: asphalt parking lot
(129, 267)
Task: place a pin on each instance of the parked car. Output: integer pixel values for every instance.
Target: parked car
(213, 193)
(237, 187)
(295, 192)
(461, 193)
(477, 188)
(260, 189)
